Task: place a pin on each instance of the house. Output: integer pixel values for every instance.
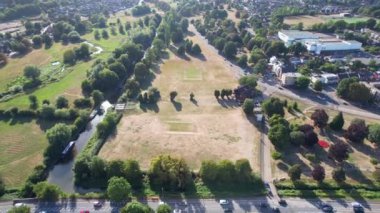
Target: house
(289, 79)
(329, 78)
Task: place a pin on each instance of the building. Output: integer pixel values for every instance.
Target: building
(317, 42)
(289, 79)
(329, 45)
(329, 78)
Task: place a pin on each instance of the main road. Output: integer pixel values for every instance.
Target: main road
(195, 205)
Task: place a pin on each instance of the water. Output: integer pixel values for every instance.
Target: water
(62, 174)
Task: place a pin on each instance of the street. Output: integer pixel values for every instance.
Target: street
(206, 205)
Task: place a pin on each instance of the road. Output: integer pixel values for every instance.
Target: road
(207, 205)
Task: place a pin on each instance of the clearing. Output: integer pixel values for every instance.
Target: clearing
(22, 143)
(204, 129)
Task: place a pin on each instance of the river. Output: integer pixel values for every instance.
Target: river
(62, 174)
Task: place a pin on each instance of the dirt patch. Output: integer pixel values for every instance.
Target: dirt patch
(307, 21)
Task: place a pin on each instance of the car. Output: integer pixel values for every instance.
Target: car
(20, 204)
(357, 207)
(275, 209)
(327, 208)
(263, 205)
(223, 202)
(282, 202)
(97, 204)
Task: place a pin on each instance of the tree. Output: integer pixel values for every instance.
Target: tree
(243, 171)
(260, 66)
(342, 89)
(37, 41)
(339, 175)
(192, 96)
(105, 34)
(177, 36)
(371, 23)
(136, 207)
(164, 208)
(311, 138)
(33, 102)
(61, 102)
(230, 50)
(83, 52)
(118, 189)
(376, 174)
(173, 94)
(181, 50)
(339, 151)
(3, 59)
(279, 135)
(115, 168)
(242, 61)
(21, 209)
(297, 138)
(320, 118)
(74, 37)
(359, 92)
(169, 173)
(69, 57)
(302, 82)
(294, 172)
(374, 133)
(97, 97)
(184, 25)
(196, 49)
(297, 48)
(133, 174)
(217, 94)
(209, 171)
(106, 80)
(141, 72)
(46, 191)
(2, 187)
(248, 106)
(119, 69)
(32, 72)
(249, 80)
(318, 173)
(357, 131)
(337, 122)
(273, 106)
(97, 35)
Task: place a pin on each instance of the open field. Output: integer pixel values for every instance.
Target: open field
(21, 146)
(39, 57)
(200, 130)
(308, 21)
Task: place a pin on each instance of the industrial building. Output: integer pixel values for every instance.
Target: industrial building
(317, 42)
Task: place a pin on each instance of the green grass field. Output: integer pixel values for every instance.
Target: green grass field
(21, 147)
(192, 74)
(39, 57)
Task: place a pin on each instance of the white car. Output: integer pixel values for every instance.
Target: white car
(223, 202)
(20, 204)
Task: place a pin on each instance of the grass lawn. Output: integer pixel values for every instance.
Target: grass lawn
(308, 21)
(39, 57)
(22, 143)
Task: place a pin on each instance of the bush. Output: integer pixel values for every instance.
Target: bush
(118, 189)
(69, 57)
(83, 103)
(248, 106)
(339, 175)
(338, 122)
(311, 157)
(318, 173)
(276, 155)
(295, 172)
(374, 133)
(374, 161)
(297, 138)
(357, 131)
(320, 118)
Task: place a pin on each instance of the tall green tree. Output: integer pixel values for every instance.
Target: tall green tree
(338, 122)
(47, 192)
(118, 189)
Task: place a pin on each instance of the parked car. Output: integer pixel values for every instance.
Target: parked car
(19, 204)
(282, 202)
(97, 204)
(223, 202)
(357, 207)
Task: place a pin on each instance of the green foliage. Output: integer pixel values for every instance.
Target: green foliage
(260, 66)
(276, 155)
(141, 72)
(343, 87)
(294, 172)
(196, 49)
(297, 138)
(217, 94)
(374, 133)
(376, 174)
(248, 106)
(97, 97)
(359, 92)
(32, 72)
(339, 175)
(21, 209)
(136, 207)
(338, 122)
(302, 82)
(173, 94)
(118, 189)
(357, 131)
(318, 173)
(164, 208)
(69, 57)
(169, 173)
(47, 192)
(249, 80)
(230, 50)
(279, 135)
(61, 102)
(273, 106)
(311, 157)
(141, 10)
(58, 137)
(318, 86)
(2, 187)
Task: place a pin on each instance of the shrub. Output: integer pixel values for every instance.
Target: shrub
(338, 122)
(374, 161)
(339, 151)
(357, 131)
(297, 138)
(311, 157)
(294, 172)
(339, 175)
(248, 106)
(320, 118)
(276, 155)
(374, 133)
(318, 173)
